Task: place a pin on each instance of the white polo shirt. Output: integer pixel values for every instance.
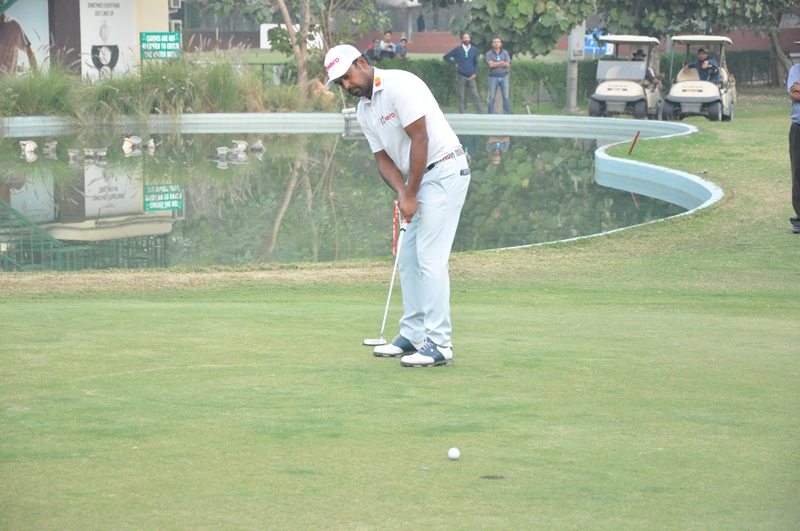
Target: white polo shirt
(400, 98)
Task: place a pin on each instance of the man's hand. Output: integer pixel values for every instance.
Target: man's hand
(794, 91)
(408, 205)
(473, 76)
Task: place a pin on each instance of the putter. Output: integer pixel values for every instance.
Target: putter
(380, 340)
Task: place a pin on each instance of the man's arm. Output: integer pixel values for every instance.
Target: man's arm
(417, 131)
(793, 83)
(450, 57)
(31, 57)
(794, 91)
(389, 172)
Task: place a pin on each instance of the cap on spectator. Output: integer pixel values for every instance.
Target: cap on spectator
(639, 53)
(403, 39)
(702, 50)
(338, 61)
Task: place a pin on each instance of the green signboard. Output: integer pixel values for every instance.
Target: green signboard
(163, 197)
(163, 45)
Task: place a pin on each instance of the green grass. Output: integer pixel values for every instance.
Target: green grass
(646, 379)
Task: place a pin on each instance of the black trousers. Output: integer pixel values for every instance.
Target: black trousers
(794, 156)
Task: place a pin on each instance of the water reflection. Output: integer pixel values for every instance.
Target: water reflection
(188, 200)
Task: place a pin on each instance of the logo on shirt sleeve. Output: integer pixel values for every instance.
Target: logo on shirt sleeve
(377, 82)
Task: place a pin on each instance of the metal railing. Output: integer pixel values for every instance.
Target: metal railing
(24, 246)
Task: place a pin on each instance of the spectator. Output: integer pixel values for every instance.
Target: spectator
(649, 75)
(499, 65)
(387, 46)
(420, 23)
(373, 51)
(465, 59)
(401, 50)
(706, 66)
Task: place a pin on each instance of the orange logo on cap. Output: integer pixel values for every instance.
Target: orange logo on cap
(377, 82)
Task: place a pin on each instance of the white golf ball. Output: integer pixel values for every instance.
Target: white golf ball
(453, 453)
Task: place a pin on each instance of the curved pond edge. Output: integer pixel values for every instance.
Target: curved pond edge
(674, 186)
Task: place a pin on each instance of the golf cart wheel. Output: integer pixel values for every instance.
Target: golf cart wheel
(715, 111)
(668, 111)
(595, 108)
(640, 109)
(728, 117)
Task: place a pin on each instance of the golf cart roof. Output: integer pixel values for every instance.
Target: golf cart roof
(701, 39)
(628, 39)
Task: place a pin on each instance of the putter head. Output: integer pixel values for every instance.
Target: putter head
(374, 342)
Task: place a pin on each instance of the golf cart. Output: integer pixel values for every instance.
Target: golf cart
(622, 85)
(709, 93)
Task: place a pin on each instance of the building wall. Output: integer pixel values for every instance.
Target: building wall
(152, 15)
(65, 32)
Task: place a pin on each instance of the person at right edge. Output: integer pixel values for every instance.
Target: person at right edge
(793, 86)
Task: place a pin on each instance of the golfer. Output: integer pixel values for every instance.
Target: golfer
(409, 136)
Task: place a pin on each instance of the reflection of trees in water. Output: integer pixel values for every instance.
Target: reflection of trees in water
(318, 197)
(293, 205)
(544, 190)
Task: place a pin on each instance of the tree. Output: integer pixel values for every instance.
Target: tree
(655, 19)
(525, 26)
(649, 18)
(295, 15)
(301, 19)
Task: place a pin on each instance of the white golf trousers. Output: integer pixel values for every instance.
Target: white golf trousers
(424, 255)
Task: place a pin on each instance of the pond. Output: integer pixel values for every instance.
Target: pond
(304, 197)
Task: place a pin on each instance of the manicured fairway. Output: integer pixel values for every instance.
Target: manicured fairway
(649, 380)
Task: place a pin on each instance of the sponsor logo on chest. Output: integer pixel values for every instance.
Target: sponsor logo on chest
(385, 119)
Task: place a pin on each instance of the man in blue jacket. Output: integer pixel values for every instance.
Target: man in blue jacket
(465, 59)
(706, 66)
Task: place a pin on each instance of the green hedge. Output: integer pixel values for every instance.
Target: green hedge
(526, 78)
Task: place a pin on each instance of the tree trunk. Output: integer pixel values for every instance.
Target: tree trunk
(655, 60)
(782, 62)
(299, 46)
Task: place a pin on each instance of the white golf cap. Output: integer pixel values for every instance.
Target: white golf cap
(338, 61)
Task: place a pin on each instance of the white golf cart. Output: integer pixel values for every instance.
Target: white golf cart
(622, 85)
(710, 93)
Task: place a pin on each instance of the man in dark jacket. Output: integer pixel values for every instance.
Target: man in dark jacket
(465, 59)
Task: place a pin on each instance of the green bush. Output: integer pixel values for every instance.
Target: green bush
(170, 86)
(527, 79)
(39, 93)
(106, 100)
(221, 88)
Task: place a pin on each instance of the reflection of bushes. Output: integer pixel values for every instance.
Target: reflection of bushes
(543, 191)
(319, 197)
